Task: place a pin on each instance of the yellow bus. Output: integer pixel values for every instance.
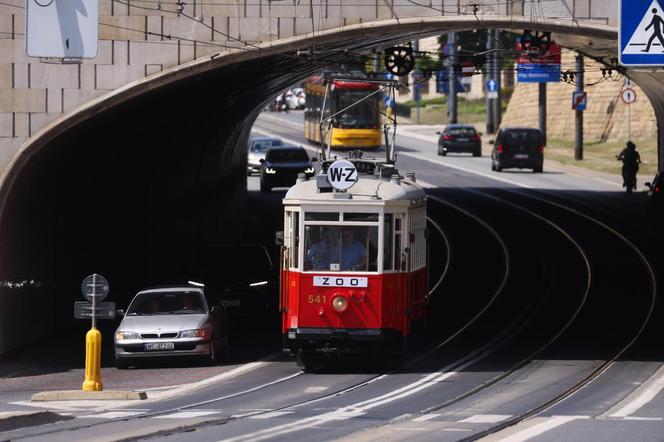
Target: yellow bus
(358, 127)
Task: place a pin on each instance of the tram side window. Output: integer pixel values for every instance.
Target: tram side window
(294, 242)
(387, 241)
(397, 244)
(341, 248)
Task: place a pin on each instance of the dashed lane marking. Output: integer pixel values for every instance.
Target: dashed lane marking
(186, 414)
(426, 417)
(487, 418)
(111, 415)
(543, 427)
(271, 414)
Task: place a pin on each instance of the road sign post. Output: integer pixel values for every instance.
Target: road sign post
(628, 96)
(95, 288)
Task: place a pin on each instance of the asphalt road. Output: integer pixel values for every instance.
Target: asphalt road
(546, 327)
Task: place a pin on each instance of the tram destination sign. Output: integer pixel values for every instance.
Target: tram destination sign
(340, 281)
(342, 174)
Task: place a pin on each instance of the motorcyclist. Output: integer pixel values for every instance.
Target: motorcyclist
(631, 160)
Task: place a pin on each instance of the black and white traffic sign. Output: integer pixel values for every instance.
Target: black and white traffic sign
(95, 286)
(628, 95)
(101, 310)
(342, 174)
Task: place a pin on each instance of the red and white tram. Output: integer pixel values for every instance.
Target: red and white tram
(354, 263)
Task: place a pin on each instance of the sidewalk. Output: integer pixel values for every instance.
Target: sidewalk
(427, 133)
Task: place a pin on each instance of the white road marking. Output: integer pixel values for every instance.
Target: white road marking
(271, 414)
(426, 417)
(315, 389)
(186, 414)
(540, 428)
(456, 429)
(401, 418)
(487, 418)
(635, 418)
(642, 398)
(111, 415)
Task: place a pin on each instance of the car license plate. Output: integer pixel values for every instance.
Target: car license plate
(156, 346)
(231, 302)
(520, 156)
(462, 140)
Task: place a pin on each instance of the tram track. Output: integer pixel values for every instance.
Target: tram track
(606, 364)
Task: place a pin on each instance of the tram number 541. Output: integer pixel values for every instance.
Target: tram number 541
(339, 281)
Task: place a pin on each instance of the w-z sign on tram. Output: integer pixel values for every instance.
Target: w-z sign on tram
(342, 174)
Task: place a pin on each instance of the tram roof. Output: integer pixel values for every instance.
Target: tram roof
(368, 189)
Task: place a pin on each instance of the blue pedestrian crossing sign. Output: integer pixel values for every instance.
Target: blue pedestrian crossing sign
(641, 36)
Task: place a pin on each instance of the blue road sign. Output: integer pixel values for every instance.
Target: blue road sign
(538, 73)
(579, 100)
(641, 36)
(443, 83)
(492, 86)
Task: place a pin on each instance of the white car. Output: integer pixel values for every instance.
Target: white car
(171, 321)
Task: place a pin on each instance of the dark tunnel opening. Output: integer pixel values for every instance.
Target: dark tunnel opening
(132, 193)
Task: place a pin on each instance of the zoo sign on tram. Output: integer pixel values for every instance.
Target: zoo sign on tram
(354, 275)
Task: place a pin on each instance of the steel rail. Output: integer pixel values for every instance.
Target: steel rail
(603, 367)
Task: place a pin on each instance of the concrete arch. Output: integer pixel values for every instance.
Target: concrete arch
(168, 158)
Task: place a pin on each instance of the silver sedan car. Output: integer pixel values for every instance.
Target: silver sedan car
(258, 146)
(171, 321)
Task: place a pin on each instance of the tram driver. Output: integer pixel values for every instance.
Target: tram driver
(336, 251)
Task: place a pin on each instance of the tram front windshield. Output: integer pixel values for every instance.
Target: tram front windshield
(341, 248)
(362, 114)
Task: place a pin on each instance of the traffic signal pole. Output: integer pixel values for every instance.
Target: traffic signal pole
(497, 63)
(453, 73)
(542, 110)
(578, 126)
(490, 126)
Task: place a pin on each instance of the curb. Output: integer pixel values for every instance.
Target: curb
(79, 395)
(14, 420)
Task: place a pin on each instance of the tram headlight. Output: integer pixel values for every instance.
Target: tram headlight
(309, 170)
(340, 304)
(270, 171)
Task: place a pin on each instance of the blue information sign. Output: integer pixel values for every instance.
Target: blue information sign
(538, 73)
(641, 36)
(443, 83)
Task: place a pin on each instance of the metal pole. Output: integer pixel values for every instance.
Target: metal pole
(416, 86)
(490, 126)
(578, 127)
(94, 300)
(453, 73)
(497, 64)
(629, 121)
(542, 110)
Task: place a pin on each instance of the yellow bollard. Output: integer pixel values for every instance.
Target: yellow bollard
(92, 361)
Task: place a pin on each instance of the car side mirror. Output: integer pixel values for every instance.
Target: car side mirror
(437, 132)
(262, 160)
(480, 133)
(314, 159)
(214, 309)
(279, 238)
(119, 312)
(648, 185)
(492, 141)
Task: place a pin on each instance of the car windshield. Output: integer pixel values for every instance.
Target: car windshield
(359, 112)
(261, 146)
(522, 138)
(462, 131)
(167, 303)
(287, 156)
(337, 248)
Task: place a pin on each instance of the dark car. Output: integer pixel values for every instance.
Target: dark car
(459, 138)
(281, 166)
(518, 147)
(240, 276)
(258, 146)
(655, 197)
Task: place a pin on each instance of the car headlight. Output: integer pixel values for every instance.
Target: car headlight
(309, 170)
(270, 170)
(125, 335)
(195, 333)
